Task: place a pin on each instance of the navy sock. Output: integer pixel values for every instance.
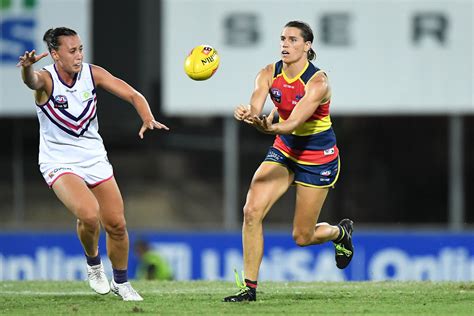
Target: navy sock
(93, 261)
(341, 234)
(120, 276)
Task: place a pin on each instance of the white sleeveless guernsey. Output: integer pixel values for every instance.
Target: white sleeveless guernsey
(69, 130)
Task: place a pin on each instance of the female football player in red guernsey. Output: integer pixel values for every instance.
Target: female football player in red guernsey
(304, 153)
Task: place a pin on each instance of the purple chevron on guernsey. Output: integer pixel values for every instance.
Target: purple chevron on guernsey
(70, 112)
(67, 122)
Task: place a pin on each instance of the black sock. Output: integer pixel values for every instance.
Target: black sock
(120, 276)
(93, 261)
(251, 284)
(341, 234)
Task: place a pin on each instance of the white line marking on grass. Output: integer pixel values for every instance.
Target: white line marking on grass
(65, 293)
(38, 293)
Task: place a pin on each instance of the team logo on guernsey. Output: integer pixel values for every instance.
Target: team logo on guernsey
(275, 94)
(60, 102)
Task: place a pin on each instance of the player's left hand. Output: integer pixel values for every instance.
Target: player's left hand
(151, 124)
(265, 123)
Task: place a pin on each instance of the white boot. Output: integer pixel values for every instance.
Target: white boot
(97, 279)
(125, 291)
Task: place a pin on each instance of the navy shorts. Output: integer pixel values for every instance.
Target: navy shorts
(319, 176)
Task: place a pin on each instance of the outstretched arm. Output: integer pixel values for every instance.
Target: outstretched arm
(316, 91)
(123, 90)
(33, 79)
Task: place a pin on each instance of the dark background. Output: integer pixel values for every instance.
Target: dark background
(394, 168)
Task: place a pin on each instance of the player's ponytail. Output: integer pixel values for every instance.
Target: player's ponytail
(311, 54)
(306, 33)
(51, 37)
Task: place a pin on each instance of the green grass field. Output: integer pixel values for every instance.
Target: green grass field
(193, 298)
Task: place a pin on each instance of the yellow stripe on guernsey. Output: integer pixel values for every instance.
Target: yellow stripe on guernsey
(290, 81)
(312, 127)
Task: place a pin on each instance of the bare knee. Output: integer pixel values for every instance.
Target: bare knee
(252, 215)
(88, 217)
(303, 238)
(116, 229)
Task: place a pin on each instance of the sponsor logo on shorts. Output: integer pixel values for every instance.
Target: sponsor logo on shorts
(325, 173)
(329, 151)
(274, 156)
(56, 170)
(324, 179)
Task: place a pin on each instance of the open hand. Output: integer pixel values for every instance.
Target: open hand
(265, 123)
(151, 124)
(243, 113)
(29, 58)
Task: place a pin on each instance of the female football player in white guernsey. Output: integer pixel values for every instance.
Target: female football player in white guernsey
(72, 157)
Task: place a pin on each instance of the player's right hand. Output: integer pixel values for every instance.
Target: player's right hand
(243, 113)
(29, 58)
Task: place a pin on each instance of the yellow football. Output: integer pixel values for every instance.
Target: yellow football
(202, 62)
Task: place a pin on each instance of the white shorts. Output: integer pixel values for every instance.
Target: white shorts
(92, 174)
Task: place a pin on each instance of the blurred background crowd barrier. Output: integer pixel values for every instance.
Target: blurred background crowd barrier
(402, 108)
